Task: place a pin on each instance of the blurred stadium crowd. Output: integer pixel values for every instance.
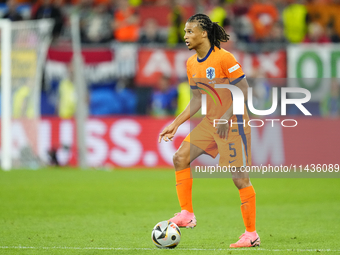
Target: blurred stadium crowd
(261, 21)
(255, 26)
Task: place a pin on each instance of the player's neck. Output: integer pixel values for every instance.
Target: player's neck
(203, 50)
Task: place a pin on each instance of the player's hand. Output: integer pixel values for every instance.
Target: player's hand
(168, 133)
(222, 130)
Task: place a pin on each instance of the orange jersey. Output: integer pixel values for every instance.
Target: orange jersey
(218, 67)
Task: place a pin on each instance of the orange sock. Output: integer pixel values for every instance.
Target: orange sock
(248, 207)
(184, 187)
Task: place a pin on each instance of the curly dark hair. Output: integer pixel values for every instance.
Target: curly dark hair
(216, 33)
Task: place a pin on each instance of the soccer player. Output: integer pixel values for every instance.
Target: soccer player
(209, 66)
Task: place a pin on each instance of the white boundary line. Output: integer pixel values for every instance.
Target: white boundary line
(149, 249)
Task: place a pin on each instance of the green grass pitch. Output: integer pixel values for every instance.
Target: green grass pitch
(65, 211)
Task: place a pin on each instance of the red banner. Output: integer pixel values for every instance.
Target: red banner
(133, 142)
(152, 63)
(104, 64)
(91, 56)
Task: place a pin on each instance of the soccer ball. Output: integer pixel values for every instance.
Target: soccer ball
(166, 235)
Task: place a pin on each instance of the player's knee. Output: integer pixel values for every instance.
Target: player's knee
(241, 183)
(179, 160)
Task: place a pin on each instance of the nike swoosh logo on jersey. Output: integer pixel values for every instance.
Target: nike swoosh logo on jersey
(194, 75)
(231, 161)
(252, 243)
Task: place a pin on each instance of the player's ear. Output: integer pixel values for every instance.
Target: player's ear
(204, 34)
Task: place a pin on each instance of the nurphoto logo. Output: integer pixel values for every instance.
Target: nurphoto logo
(238, 105)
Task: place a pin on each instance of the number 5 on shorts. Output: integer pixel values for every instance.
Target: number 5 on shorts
(231, 148)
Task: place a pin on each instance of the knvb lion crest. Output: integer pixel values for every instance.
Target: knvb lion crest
(210, 73)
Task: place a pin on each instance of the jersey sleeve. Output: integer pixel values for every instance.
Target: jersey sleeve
(188, 71)
(232, 69)
(190, 78)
